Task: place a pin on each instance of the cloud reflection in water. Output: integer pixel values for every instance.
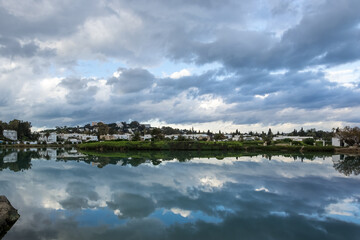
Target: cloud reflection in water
(249, 197)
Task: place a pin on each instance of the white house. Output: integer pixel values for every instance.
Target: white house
(146, 137)
(89, 138)
(50, 139)
(74, 140)
(79, 136)
(228, 136)
(196, 136)
(337, 142)
(108, 137)
(236, 138)
(294, 138)
(249, 138)
(125, 136)
(10, 134)
(172, 136)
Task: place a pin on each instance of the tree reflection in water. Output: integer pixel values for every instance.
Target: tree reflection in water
(348, 165)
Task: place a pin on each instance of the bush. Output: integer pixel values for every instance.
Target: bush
(309, 141)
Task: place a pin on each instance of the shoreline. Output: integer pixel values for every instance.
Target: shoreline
(124, 146)
(348, 150)
(26, 146)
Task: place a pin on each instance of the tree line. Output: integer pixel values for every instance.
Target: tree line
(23, 129)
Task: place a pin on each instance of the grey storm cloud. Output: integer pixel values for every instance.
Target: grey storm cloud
(329, 35)
(131, 80)
(79, 90)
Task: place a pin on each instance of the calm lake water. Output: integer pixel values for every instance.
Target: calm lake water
(62, 194)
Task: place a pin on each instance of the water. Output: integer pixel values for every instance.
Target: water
(62, 194)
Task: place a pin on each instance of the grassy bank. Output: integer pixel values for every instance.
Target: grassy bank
(124, 146)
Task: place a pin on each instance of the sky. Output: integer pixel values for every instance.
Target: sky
(207, 64)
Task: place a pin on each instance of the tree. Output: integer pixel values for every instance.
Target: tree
(1, 129)
(219, 136)
(309, 141)
(22, 128)
(136, 137)
(302, 132)
(349, 165)
(103, 129)
(350, 136)
(134, 124)
(157, 134)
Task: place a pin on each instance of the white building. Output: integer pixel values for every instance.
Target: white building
(79, 136)
(294, 138)
(125, 136)
(249, 138)
(196, 136)
(48, 139)
(108, 137)
(74, 140)
(236, 138)
(10, 134)
(146, 137)
(89, 138)
(172, 136)
(336, 142)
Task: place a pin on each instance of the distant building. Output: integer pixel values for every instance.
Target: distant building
(236, 138)
(171, 136)
(74, 141)
(337, 142)
(146, 137)
(248, 138)
(79, 136)
(89, 138)
(52, 138)
(108, 137)
(10, 134)
(197, 136)
(294, 138)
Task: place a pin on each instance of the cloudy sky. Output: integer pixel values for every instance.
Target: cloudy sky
(229, 64)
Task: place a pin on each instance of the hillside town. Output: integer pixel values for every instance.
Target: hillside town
(18, 132)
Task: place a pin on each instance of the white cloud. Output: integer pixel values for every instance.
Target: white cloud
(180, 74)
(181, 212)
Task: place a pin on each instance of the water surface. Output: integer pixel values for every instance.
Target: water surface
(63, 194)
